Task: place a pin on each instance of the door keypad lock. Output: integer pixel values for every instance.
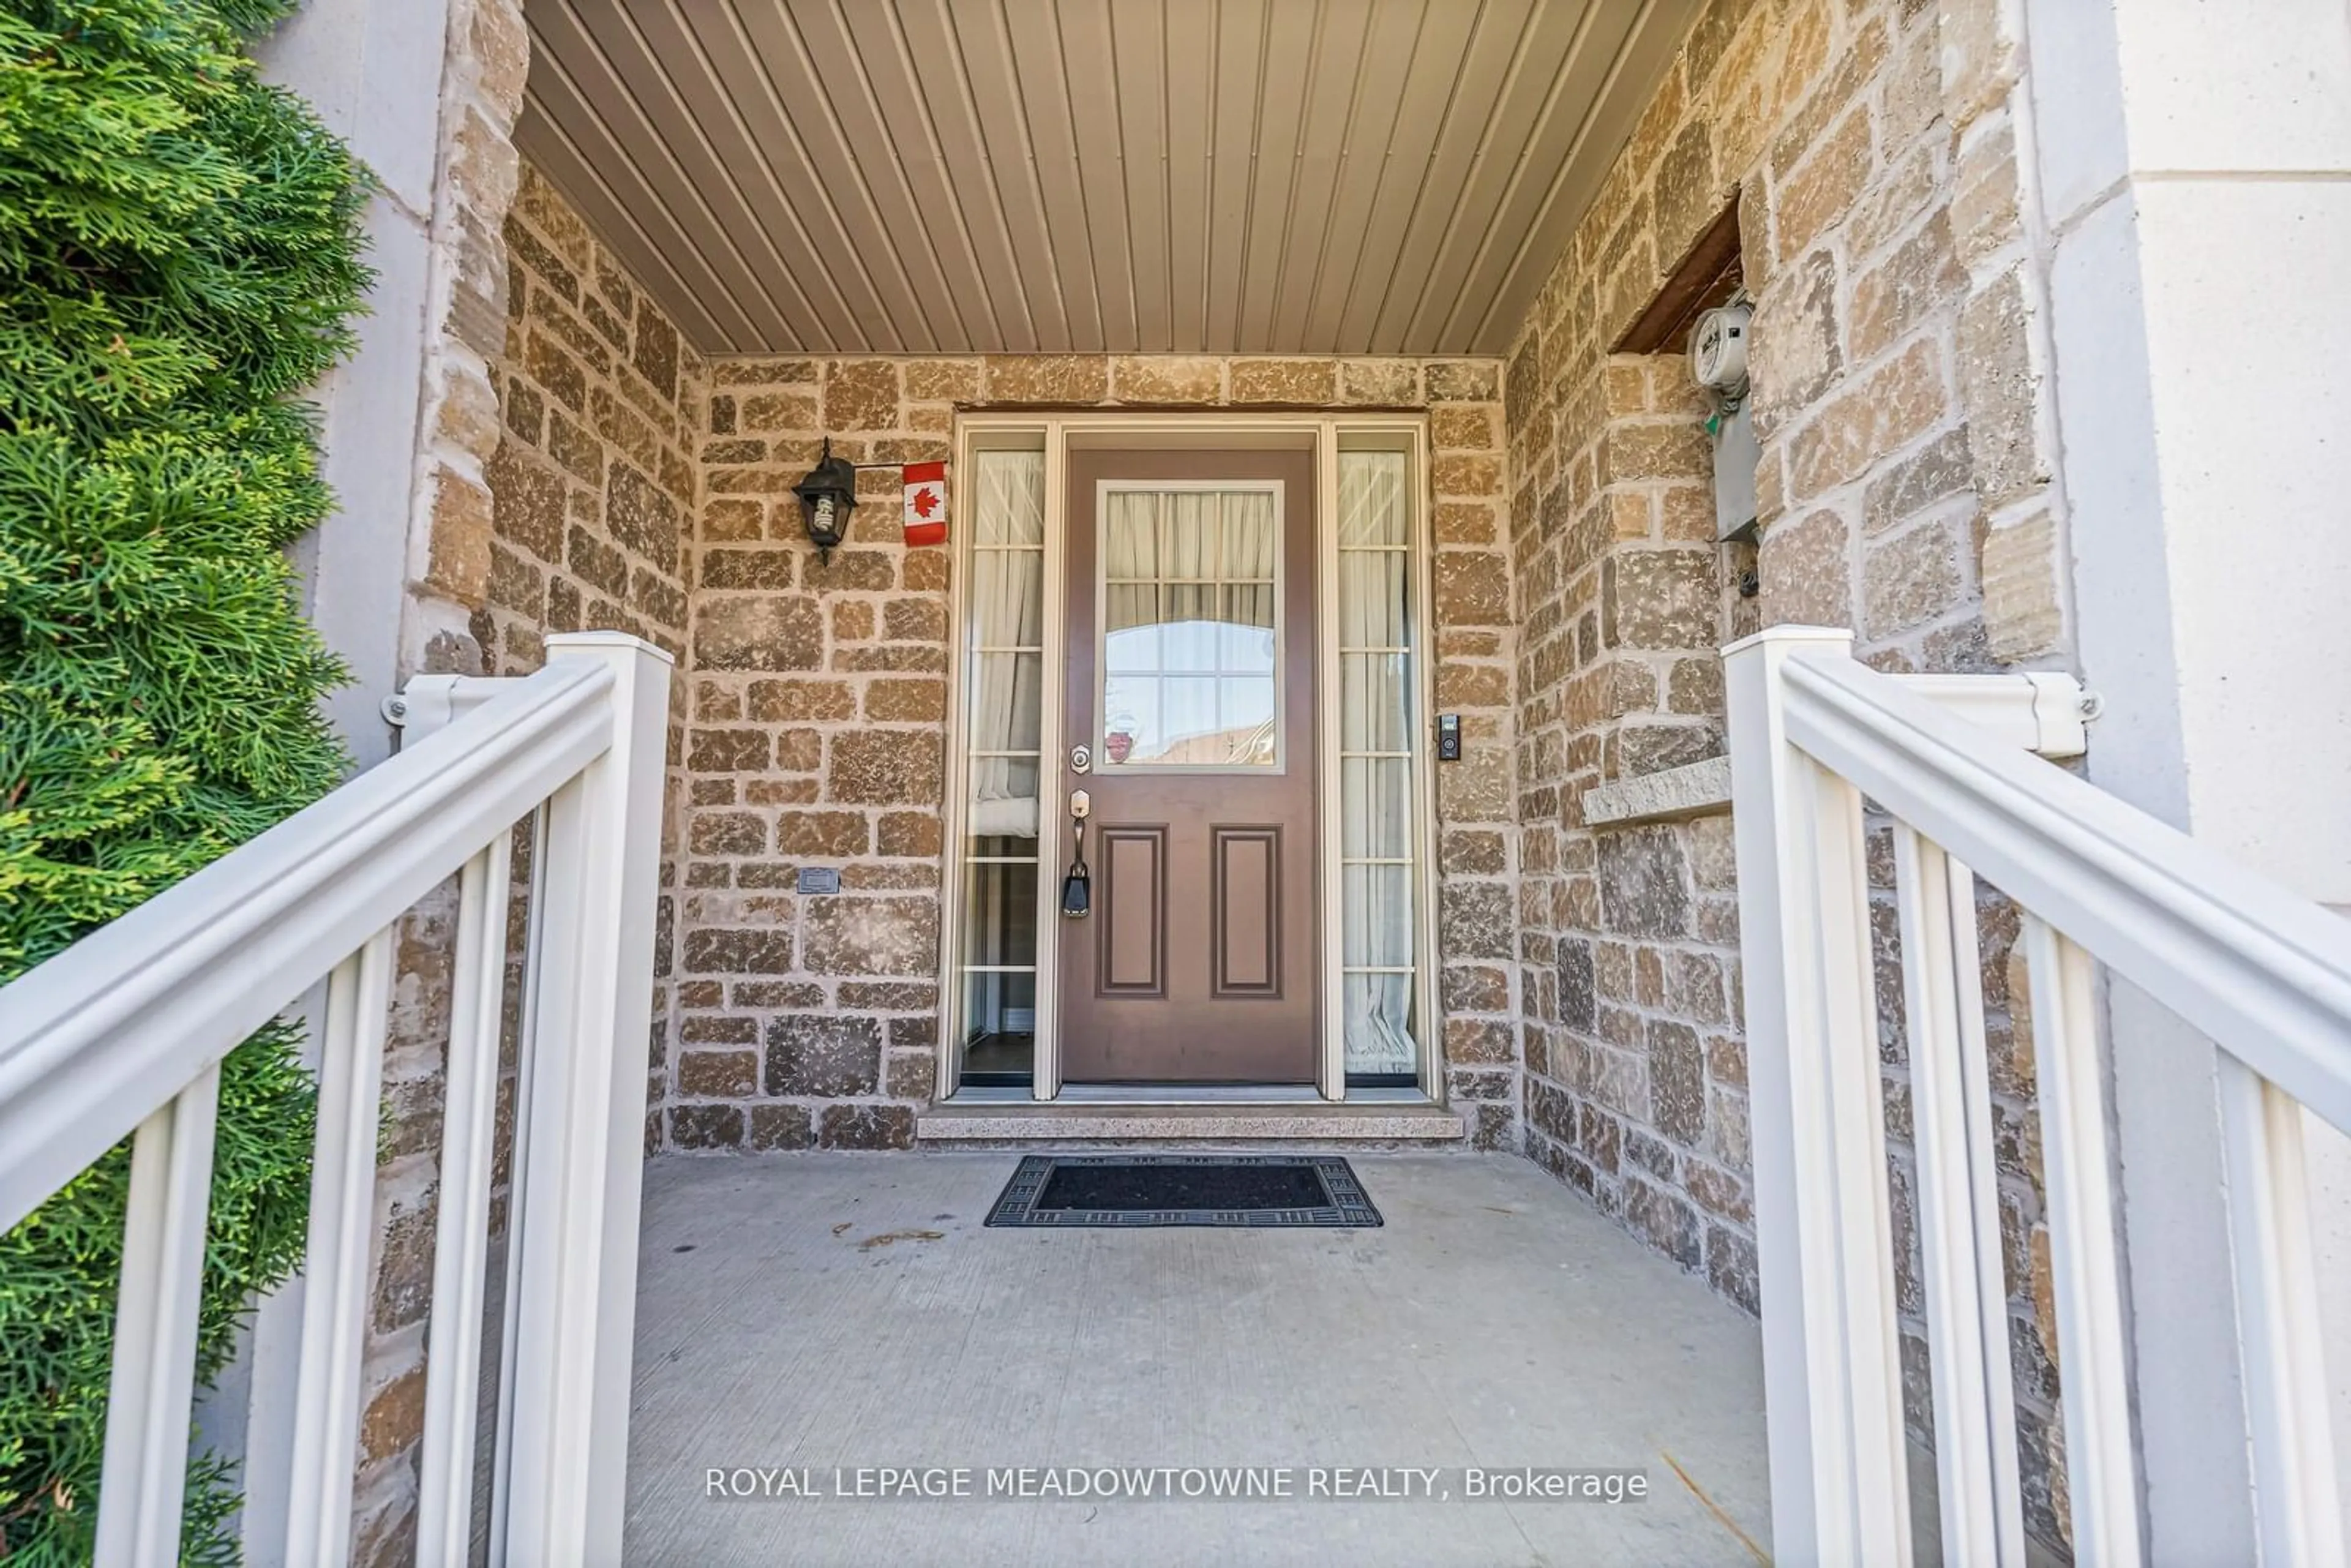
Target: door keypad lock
(1077, 883)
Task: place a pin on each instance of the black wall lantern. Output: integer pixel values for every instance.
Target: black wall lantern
(827, 496)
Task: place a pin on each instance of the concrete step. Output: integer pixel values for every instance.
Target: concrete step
(1003, 1124)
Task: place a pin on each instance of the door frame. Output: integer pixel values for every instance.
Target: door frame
(1054, 435)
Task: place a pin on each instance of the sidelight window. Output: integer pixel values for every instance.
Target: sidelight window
(1378, 720)
(1004, 665)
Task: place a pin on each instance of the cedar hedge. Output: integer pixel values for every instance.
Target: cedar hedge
(179, 257)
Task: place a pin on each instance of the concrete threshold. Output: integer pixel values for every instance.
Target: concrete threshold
(999, 1124)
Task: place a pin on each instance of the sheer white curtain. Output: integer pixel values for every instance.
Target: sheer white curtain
(1004, 620)
(1375, 740)
(1131, 568)
(1251, 543)
(1193, 541)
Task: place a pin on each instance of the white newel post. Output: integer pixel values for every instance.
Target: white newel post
(579, 1174)
(1831, 1372)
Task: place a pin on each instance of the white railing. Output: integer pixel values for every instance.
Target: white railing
(2266, 976)
(124, 1034)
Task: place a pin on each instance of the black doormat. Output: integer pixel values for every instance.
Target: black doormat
(1185, 1190)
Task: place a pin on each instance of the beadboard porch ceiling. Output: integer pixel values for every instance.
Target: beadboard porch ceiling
(945, 176)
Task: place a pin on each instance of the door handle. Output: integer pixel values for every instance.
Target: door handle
(1077, 883)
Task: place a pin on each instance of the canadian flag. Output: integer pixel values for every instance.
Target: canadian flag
(926, 503)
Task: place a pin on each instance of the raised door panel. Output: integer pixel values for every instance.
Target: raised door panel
(1245, 911)
(1133, 963)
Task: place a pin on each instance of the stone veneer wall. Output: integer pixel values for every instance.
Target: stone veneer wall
(1904, 490)
(595, 485)
(1636, 1086)
(447, 529)
(580, 519)
(819, 733)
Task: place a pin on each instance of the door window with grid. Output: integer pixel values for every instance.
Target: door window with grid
(1191, 654)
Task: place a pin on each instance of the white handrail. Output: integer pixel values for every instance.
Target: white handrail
(2266, 974)
(2262, 971)
(125, 1030)
(82, 1060)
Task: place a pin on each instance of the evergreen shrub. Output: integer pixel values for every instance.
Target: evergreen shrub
(179, 257)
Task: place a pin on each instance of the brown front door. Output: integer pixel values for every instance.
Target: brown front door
(1191, 684)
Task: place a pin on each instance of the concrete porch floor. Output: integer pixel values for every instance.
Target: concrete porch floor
(844, 1310)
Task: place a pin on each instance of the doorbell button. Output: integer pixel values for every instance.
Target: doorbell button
(1448, 737)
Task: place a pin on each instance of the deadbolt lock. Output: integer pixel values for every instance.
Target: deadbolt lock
(1081, 758)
